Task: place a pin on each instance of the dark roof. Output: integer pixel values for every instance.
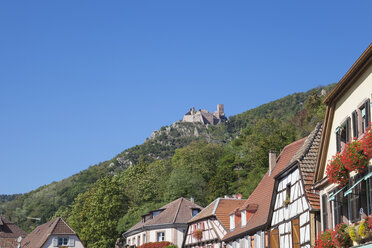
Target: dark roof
(178, 211)
(220, 208)
(9, 229)
(40, 234)
(307, 164)
(262, 195)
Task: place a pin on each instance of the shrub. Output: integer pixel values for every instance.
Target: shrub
(325, 240)
(364, 230)
(156, 244)
(341, 236)
(353, 234)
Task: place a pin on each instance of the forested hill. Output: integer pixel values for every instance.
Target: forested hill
(183, 159)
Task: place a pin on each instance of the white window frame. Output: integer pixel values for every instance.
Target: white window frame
(232, 221)
(244, 217)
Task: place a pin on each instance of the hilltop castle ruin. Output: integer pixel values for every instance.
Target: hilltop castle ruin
(205, 117)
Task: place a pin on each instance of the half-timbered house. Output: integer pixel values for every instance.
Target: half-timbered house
(168, 223)
(296, 207)
(347, 118)
(252, 228)
(207, 228)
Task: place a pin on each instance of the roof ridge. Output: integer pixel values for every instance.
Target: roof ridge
(55, 224)
(215, 206)
(178, 210)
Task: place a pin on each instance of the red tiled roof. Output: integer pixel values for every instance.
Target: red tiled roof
(9, 229)
(178, 211)
(221, 208)
(262, 195)
(40, 234)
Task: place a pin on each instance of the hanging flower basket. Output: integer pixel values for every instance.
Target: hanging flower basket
(367, 143)
(198, 234)
(336, 170)
(354, 158)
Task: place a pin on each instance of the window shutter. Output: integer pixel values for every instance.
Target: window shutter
(296, 233)
(348, 129)
(71, 241)
(355, 124)
(324, 212)
(274, 238)
(338, 141)
(368, 112)
(55, 242)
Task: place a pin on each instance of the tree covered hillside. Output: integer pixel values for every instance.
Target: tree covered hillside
(183, 159)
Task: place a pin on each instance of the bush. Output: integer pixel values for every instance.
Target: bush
(157, 244)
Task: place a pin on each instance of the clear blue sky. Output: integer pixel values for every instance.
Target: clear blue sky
(83, 80)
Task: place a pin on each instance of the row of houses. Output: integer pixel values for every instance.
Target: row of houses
(54, 233)
(305, 191)
(302, 194)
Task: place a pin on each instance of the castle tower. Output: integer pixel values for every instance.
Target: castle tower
(220, 110)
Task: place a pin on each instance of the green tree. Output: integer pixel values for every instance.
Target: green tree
(96, 212)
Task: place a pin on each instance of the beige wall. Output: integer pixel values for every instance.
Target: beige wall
(173, 235)
(49, 243)
(360, 91)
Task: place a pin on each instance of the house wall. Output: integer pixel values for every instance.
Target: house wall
(360, 91)
(350, 101)
(213, 232)
(49, 242)
(297, 208)
(173, 235)
(258, 240)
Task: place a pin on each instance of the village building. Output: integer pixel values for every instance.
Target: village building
(207, 228)
(347, 118)
(205, 117)
(251, 229)
(295, 219)
(9, 233)
(168, 223)
(54, 233)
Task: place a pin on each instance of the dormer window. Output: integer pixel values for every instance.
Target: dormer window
(232, 221)
(195, 211)
(244, 218)
(155, 213)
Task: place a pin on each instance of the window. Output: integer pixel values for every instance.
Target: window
(244, 218)
(338, 206)
(288, 192)
(139, 240)
(62, 241)
(364, 116)
(160, 236)
(155, 213)
(195, 211)
(343, 135)
(144, 238)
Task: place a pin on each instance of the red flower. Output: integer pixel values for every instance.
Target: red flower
(198, 234)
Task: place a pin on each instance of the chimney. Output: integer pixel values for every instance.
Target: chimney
(272, 160)
(192, 199)
(238, 196)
